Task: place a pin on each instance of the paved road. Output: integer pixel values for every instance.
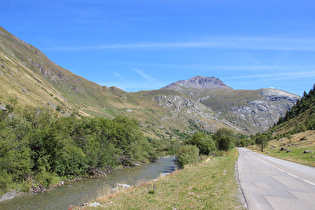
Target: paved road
(271, 183)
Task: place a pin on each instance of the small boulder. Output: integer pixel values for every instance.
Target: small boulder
(308, 151)
(288, 151)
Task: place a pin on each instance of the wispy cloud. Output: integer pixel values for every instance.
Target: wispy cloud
(134, 86)
(275, 76)
(226, 67)
(139, 81)
(144, 75)
(118, 75)
(211, 43)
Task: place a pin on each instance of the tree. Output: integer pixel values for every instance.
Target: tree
(224, 139)
(204, 143)
(262, 140)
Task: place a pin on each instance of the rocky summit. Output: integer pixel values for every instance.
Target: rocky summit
(198, 82)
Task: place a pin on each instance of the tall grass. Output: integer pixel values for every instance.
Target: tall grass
(295, 147)
(207, 185)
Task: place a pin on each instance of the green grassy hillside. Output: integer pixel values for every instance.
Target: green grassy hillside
(30, 77)
(300, 118)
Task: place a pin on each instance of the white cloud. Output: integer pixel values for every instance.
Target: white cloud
(144, 75)
(146, 82)
(250, 43)
(275, 76)
(132, 86)
(118, 75)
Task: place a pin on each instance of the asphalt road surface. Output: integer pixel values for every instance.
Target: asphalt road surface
(272, 183)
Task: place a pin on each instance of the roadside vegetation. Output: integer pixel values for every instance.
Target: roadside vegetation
(208, 184)
(206, 181)
(293, 137)
(293, 148)
(38, 147)
(205, 144)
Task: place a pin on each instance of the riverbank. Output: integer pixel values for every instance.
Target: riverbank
(209, 184)
(77, 193)
(31, 188)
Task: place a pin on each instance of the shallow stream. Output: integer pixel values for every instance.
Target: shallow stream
(79, 192)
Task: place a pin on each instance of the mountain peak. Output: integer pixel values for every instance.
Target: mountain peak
(198, 82)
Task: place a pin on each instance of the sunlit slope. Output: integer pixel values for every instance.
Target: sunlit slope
(30, 77)
(300, 117)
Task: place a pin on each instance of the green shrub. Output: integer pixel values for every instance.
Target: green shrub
(36, 142)
(5, 181)
(187, 154)
(46, 179)
(204, 143)
(225, 139)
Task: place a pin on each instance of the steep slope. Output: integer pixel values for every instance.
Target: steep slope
(253, 110)
(30, 77)
(200, 103)
(300, 117)
(67, 86)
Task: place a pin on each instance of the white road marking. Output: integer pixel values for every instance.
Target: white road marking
(292, 175)
(309, 182)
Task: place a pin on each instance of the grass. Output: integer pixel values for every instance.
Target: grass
(207, 185)
(295, 145)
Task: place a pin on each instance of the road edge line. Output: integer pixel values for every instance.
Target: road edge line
(243, 197)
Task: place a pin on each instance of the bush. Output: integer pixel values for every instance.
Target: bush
(35, 142)
(46, 179)
(187, 154)
(225, 139)
(5, 181)
(204, 143)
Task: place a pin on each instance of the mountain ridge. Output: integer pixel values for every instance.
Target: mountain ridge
(204, 103)
(198, 82)
(254, 110)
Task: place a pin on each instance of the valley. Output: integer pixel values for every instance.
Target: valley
(62, 126)
(199, 103)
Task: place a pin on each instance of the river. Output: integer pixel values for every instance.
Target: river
(79, 192)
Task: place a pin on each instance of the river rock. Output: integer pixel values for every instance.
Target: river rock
(40, 188)
(95, 204)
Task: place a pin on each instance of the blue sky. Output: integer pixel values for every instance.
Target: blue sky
(144, 45)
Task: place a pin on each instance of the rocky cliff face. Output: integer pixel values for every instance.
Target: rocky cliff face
(259, 115)
(253, 110)
(185, 109)
(180, 104)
